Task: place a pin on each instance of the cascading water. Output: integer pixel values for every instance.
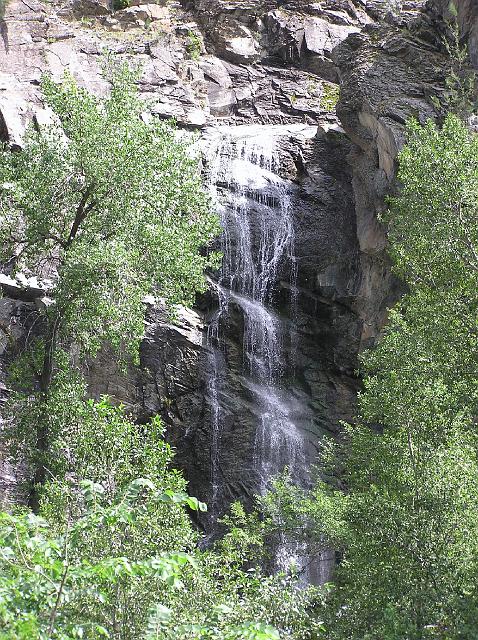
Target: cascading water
(255, 206)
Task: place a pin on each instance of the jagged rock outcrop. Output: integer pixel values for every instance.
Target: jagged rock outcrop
(201, 61)
(302, 34)
(388, 73)
(187, 82)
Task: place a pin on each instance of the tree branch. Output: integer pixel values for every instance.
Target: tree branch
(467, 238)
(82, 211)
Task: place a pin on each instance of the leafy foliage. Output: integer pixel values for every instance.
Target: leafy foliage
(213, 627)
(108, 206)
(114, 203)
(194, 45)
(118, 5)
(122, 553)
(405, 514)
(53, 587)
(413, 507)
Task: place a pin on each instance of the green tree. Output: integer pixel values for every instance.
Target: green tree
(108, 206)
(115, 555)
(406, 515)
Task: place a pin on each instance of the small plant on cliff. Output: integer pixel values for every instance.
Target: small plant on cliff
(329, 97)
(118, 5)
(194, 45)
(3, 6)
(460, 94)
(111, 208)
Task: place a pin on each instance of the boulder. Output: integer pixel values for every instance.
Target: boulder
(235, 42)
(14, 110)
(215, 70)
(139, 15)
(92, 7)
(307, 41)
(221, 101)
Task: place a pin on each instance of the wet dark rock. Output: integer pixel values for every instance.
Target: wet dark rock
(321, 340)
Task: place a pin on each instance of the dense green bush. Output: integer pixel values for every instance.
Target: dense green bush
(406, 516)
(114, 553)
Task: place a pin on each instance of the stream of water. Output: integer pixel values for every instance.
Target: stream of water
(256, 210)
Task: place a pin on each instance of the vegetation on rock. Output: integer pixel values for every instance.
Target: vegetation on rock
(405, 516)
(105, 207)
(194, 45)
(329, 97)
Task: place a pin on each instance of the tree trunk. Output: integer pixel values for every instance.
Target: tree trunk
(41, 428)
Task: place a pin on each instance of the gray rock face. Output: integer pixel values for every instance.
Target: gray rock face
(467, 20)
(308, 40)
(214, 60)
(388, 73)
(206, 60)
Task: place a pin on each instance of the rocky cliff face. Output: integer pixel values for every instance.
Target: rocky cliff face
(217, 65)
(467, 20)
(388, 73)
(200, 60)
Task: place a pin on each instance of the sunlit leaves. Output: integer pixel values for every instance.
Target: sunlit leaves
(45, 585)
(406, 517)
(110, 206)
(214, 627)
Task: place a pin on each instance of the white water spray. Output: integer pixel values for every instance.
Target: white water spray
(258, 239)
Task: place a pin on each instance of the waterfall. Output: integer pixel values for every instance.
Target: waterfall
(256, 210)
